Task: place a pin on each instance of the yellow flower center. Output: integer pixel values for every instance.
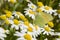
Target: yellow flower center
(7, 22)
(51, 24)
(27, 37)
(16, 21)
(31, 12)
(47, 28)
(40, 4)
(32, 6)
(26, 23)
(39, 10)
(3, 17)
(47, 8)
(6, 11)
(30, 29)
(8, 15)
(21, 16)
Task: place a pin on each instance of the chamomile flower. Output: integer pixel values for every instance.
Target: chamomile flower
(15, 24)
(48, 9)
(47, 30)
(30, 13)
(8, 14)
(29, 28)
(32, 6)
(24, 36)
(33, 30)
(2, 34)
(20, 16)
(37, 30)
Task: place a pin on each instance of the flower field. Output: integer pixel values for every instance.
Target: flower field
(29, 19)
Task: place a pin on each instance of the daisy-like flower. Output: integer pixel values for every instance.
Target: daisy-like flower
(37, 30)
(48, 9)
(2, 34)
(12, 1)
(20, 16)
(32, 6)
(30, 12)
(15, 24)
(8, 14)
(33, 30)
(24, 36)
(47, 30)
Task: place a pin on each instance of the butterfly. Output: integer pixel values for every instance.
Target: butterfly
(42, 18)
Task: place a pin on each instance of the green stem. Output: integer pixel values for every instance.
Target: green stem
(15, 6)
